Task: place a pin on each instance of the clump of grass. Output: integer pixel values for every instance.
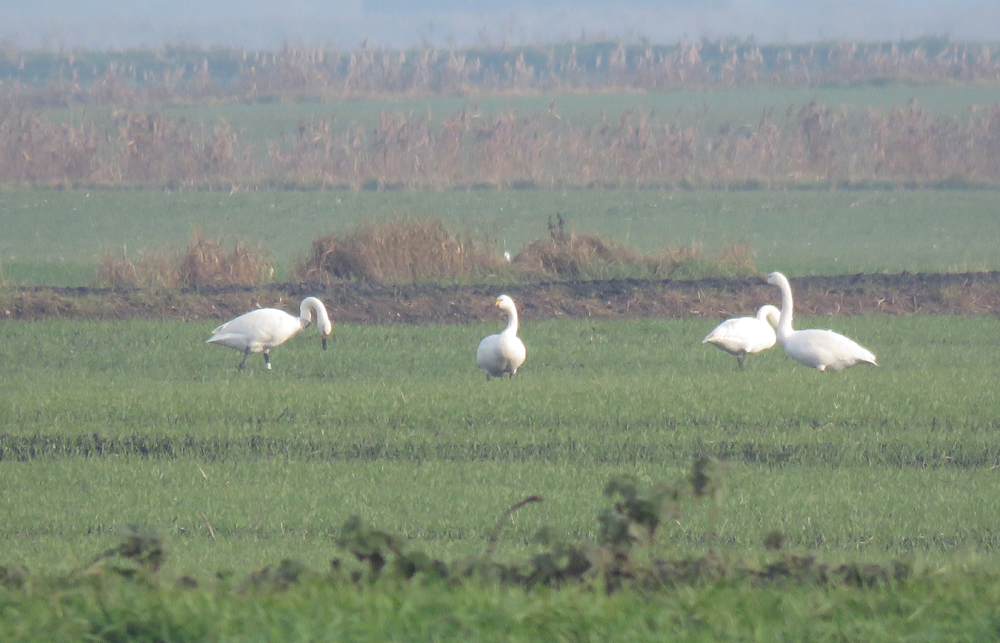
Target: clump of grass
(399, 251)
(207, 263)
(414, 250)
(152, 268)
(567, 255)
(204, 263)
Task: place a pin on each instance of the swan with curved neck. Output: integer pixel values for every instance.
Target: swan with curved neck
(821, 349)
(746, 335)
(502, 353)
(258, 331)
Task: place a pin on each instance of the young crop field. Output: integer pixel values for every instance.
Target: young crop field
(109, 424)
(384, 489)
(58, 237)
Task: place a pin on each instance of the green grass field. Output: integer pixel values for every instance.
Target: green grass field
(107, 424)
(56, 237)
(140, 422)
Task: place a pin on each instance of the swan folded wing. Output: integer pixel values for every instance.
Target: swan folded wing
(229, 340)
(742, 334)
(489, 357)
(514, 353)
(826, 350)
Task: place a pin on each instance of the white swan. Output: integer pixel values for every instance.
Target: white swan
(744, 335)
(258, 331)
(505, 352)
(821, 349)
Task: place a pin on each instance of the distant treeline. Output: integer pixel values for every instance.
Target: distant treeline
(813, 145)
(182, 75)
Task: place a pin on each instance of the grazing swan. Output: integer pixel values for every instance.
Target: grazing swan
(745, 335)
(503, 353)
(258, 331)
(822, 349)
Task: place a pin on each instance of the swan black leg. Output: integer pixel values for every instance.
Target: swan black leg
(243, 363)
(740, 358)
(267, 360)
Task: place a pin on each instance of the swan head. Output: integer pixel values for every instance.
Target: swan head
(312, 308)
(505, 302)
(774, 278)
(325, 330)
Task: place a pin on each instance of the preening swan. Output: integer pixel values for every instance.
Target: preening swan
(258, 331)
(744, 335)
(822, 349)
(502, 353)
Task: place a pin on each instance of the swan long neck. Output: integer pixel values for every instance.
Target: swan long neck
(511, 320)
(769, 315)
(785, 321)
(311, 306)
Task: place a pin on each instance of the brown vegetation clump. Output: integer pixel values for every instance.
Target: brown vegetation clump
(400, 251)
(412, 251)
(207, 263)
(567, 255)
(151, 269)
(204, 263)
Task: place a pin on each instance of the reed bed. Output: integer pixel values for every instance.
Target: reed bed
(812, 145)
(185, 76)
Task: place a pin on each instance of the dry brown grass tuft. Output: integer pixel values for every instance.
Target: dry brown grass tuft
(204, 263)
(207, 263)
(150, 269)
(567, 255)
(738, 260)
(417, 250)
(401, 251)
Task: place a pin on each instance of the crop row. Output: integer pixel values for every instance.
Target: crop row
(889, 453)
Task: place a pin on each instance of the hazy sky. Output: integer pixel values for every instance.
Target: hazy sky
(267, 24)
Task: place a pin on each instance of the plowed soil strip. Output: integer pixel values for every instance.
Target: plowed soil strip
(359, 303)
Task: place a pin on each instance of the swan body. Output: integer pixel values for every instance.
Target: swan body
(258, 331)
(820, 349)
(745, 335)
(502, 353)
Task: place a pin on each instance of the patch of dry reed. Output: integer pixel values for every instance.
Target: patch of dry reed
(204, 263)
(400, 251)
(414, 250)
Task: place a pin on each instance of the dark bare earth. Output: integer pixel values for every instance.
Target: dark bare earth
(360, 303)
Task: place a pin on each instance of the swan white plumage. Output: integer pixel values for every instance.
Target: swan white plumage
(258, 331)
(821, 349)
(504, 352)
(745, 335)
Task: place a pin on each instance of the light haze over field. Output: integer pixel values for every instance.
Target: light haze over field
(345, 24)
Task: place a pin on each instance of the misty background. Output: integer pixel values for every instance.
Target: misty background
(346, 24)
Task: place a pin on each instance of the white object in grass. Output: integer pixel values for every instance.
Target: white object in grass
(821, 349)
(258, 331)
(502, 353)
(745, 335)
